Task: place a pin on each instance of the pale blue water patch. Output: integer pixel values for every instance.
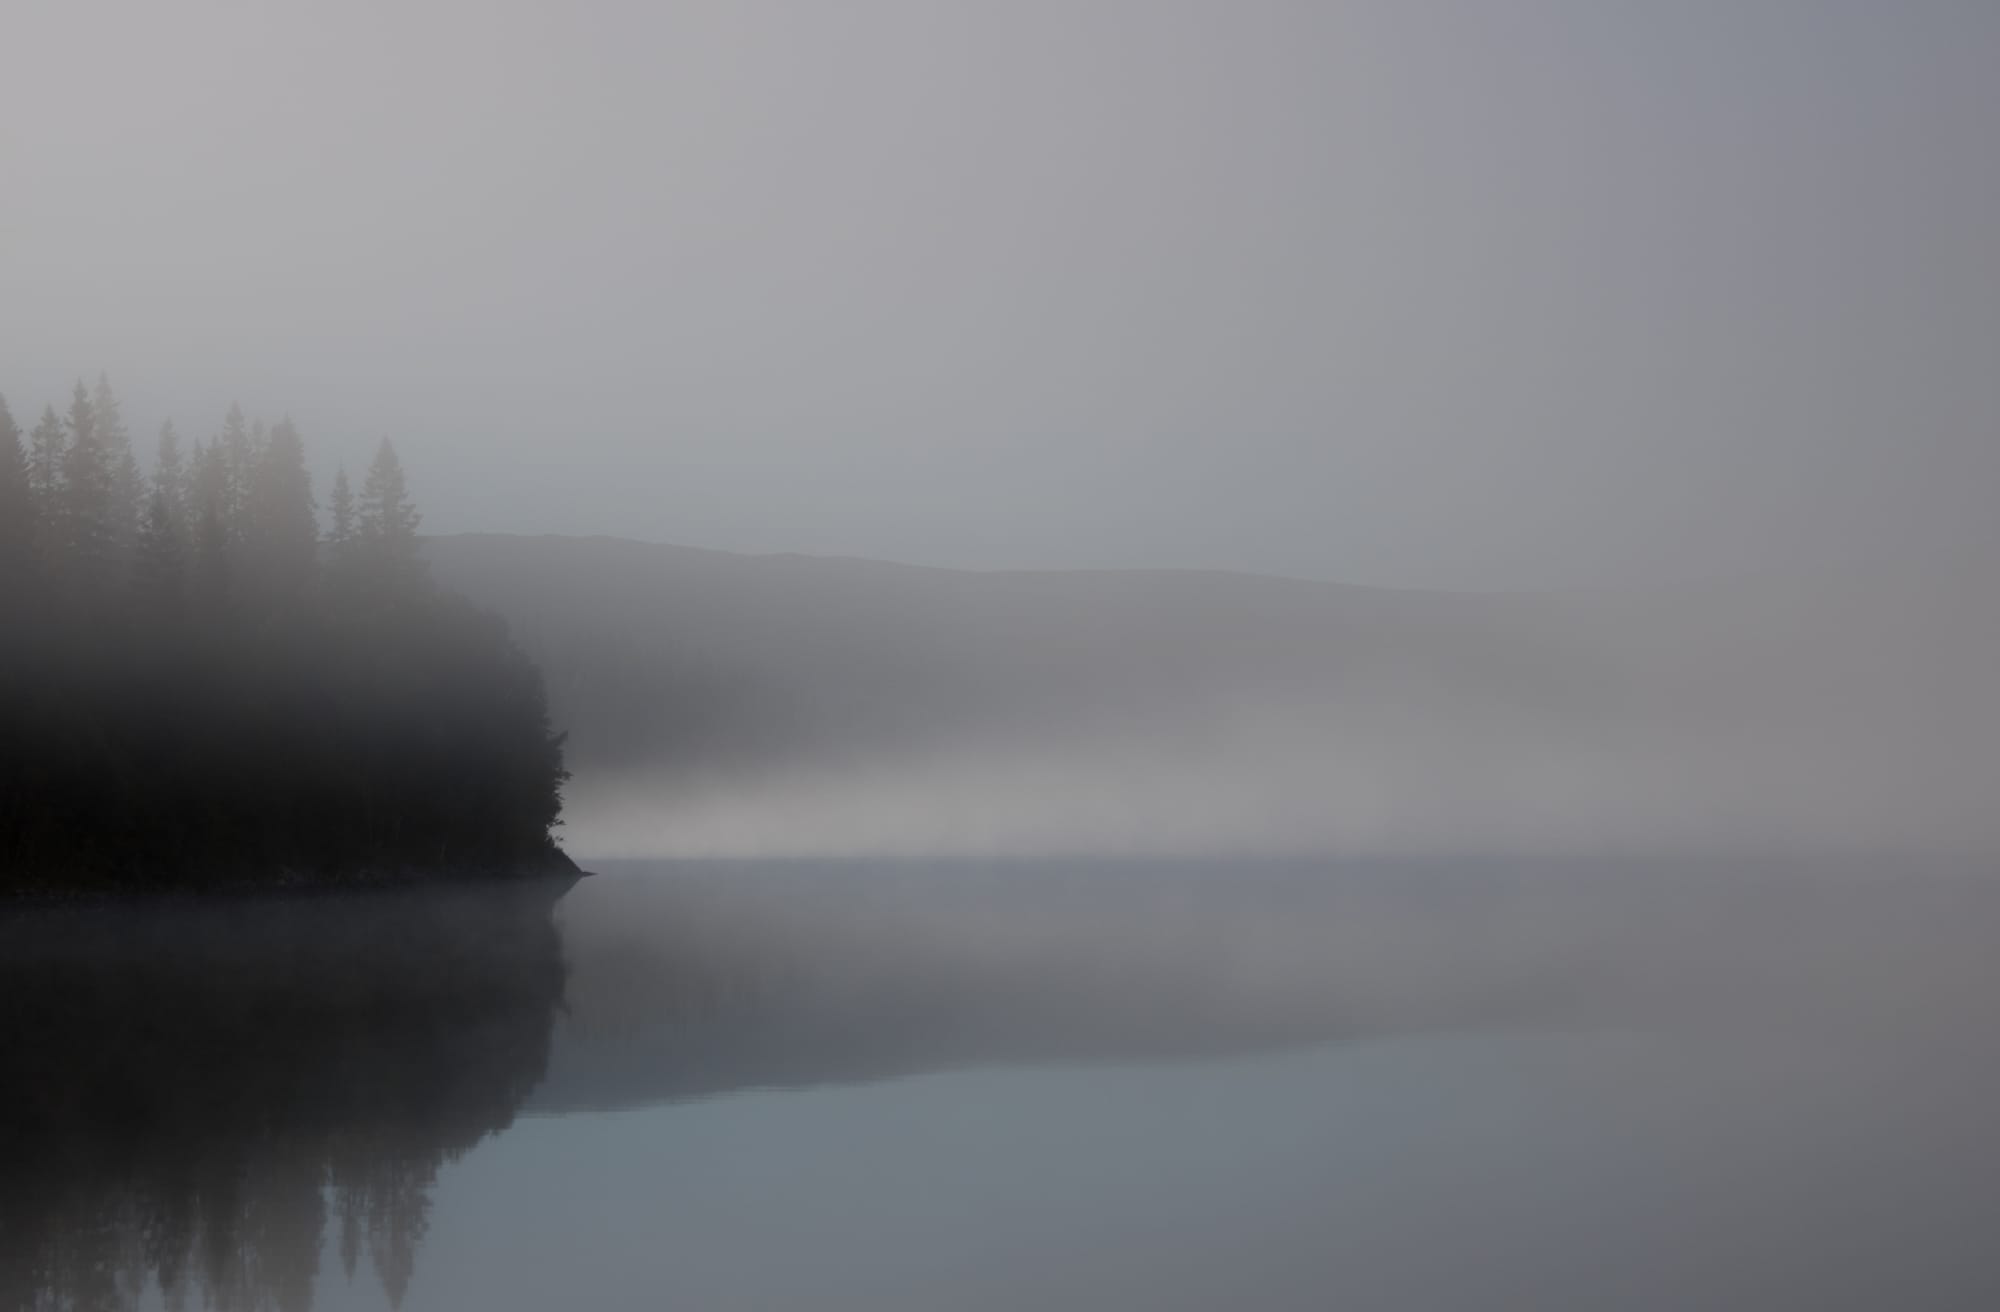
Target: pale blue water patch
(1504, 1170)
(1149, 1186)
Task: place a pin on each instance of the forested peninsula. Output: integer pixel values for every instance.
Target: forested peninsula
(204, 684)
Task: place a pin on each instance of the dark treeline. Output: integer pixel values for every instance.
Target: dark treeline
(200, 685)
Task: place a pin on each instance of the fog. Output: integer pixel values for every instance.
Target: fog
(1436, 296)
(724, 705)
(1683, 312)
(1257, 654)
(797, 973)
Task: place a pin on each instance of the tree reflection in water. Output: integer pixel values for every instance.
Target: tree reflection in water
(195, 1092)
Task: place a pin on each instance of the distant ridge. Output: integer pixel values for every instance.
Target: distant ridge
(724, 703)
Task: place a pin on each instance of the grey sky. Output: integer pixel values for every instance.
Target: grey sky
(1462, 294)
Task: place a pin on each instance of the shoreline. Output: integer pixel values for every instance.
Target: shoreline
(556, 870)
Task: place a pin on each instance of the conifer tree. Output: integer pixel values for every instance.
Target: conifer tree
(208, 585)
(234, 450)
(45, 460)
(17, 504)
(159, 563)
(87, 528)
(46, 446)
(340, 537)
(10, 441)
(386, 522)
(281, 532)
(170, 473)
(126, 490)
(208, 486)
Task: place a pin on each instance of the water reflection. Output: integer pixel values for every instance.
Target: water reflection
(198, 1095)
(212, 1100)
(694, 980)
(237, 1105)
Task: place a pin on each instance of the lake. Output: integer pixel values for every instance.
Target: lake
(1106, 1085)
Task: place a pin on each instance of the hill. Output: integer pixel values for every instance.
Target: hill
(721, 704)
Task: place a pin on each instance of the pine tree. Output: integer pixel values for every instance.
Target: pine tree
(208, 496)
(398, 1217)
(87, 526)
(159, 564)
(46, 447)
(235, 451)
(207, 483)
(340, 539)
(281, 532)
(386, 522)
(45, 460)
(126, 489)
(11, 449)
(17, 504)
(209, 584)
(170, 473)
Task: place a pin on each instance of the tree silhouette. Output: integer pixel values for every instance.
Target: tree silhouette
(87, 520)
(160, 565)
(45, 454)
(170, 474)
(17, 506)
(211, 580)
(125, 481)
(385, 524)
(208, 484)
(340, 536)
(45, 462)
(281, 535)
(234, 453)
(211, 705)
(348, 1047)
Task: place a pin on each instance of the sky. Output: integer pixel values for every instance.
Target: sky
(1448, 294)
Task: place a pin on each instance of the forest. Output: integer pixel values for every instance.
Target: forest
(203, 685)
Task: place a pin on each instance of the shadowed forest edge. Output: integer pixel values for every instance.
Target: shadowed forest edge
(201, 685)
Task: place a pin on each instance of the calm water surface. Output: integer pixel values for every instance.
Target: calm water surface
(1051, 1086)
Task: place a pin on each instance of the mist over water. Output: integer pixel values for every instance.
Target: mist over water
(1560, 870)
(723, 705)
